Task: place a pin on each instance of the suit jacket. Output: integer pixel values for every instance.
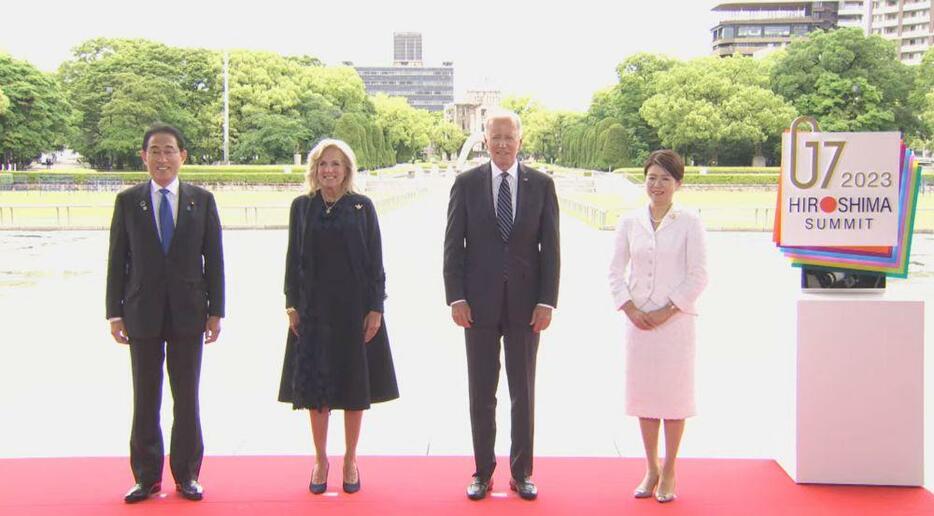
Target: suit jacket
(142, 281)
(669, 263)
(476, 259)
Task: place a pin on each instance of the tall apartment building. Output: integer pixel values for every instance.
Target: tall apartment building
(753, 27)
(910, 23)
(424, 87)
(407, 48)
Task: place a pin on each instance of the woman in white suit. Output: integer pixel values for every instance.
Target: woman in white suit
(657, 273)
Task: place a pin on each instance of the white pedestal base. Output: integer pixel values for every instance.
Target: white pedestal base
(859, 405)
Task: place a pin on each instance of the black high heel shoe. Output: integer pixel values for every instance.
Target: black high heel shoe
(354, 487)
(322, 487)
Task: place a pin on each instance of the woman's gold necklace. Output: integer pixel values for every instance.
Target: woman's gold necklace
(328, 206)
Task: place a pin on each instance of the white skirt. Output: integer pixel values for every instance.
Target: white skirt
(660, 369)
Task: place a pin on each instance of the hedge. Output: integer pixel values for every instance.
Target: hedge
(710, 170)
(719, 179)
(200, 174)
(138, 177)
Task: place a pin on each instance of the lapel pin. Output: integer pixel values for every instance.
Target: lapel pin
(525, 179)
(190, 205)
(358, 206)
(143, 206)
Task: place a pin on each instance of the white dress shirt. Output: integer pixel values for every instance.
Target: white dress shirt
(513, 179)
(156, 197)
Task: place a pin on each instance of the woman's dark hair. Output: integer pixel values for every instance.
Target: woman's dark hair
(159, 128)
(668, 160)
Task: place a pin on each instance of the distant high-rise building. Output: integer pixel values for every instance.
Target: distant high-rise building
(754, 27)
(424, 87)
(910, 23)
(407, 49)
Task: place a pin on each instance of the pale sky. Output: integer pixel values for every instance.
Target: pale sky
(558, 52)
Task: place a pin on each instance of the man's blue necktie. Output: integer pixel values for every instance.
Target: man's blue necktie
(504, 207)
(166, 222)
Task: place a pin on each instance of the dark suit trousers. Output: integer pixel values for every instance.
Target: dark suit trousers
(521, 349)
(182, 354)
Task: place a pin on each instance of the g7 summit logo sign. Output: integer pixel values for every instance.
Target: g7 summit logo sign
(840, 189)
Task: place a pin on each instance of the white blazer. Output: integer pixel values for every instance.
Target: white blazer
(667, 264)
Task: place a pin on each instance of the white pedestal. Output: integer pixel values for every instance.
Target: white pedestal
(859, 404)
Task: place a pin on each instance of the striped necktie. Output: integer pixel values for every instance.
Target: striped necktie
(504, 207)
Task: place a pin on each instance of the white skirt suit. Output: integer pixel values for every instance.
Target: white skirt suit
(652, 268)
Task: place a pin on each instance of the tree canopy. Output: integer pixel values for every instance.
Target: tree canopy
(848, 81)
(710, 103)
(34, 115)
(713, 110)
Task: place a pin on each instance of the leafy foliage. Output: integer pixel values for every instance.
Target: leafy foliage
(34, 114)
(848, 81)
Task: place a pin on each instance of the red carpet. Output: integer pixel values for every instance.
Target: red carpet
(435, 485)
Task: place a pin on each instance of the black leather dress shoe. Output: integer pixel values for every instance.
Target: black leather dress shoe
(526, 488)
(190, 489)
(140, 492)
(478, 488)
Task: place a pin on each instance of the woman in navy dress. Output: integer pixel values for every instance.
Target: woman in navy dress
(337, 351)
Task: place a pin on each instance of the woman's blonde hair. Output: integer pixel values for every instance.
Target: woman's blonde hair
(311, 180)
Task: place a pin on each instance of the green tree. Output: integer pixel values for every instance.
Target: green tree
(265, 83)
(714, 107)
(923, 99)
(446, 137)
(34, 115)
(848, 81)
(271, 139)
(638, 80)
(4, 102)
(120, 86)
(539, 126)
(366, 139)
(524, 106)
(543, 133)
(406, 129)
(616, 146)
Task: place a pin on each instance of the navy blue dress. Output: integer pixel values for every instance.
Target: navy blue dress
(334, 277)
